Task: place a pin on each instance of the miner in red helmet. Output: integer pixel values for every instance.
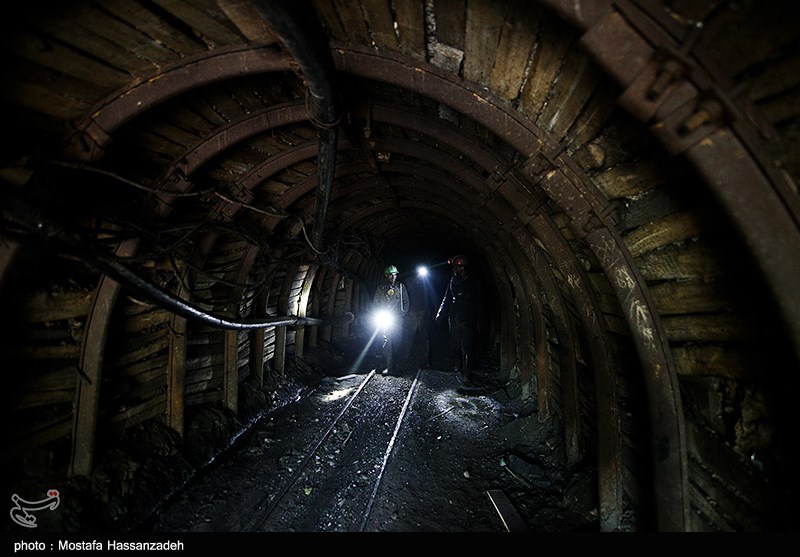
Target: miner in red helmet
(461, 306)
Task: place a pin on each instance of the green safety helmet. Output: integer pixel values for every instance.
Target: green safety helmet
(390, 270)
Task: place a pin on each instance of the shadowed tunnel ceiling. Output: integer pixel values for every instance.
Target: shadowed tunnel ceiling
(622, 175)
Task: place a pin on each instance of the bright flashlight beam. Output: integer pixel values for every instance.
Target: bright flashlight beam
(383, 319)
(422, 271)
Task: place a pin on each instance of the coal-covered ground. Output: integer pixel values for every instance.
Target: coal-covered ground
(452, 448)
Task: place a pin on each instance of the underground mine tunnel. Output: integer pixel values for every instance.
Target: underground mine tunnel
(199, 200)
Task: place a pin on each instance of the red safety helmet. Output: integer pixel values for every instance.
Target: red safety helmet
(459, 261)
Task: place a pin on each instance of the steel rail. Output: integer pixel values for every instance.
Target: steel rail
(262, 517)
(388, 451)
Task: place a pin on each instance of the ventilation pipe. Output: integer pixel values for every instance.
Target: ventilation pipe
(298, 29)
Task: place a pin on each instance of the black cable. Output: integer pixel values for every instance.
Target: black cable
(24, 222)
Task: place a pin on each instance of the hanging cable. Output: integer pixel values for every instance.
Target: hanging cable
(23, 222)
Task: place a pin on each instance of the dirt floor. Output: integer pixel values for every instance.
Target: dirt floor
(432, 471)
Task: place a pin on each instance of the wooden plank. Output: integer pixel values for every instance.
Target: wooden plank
(672, 298)
(706, 515)
(248, 20)
(176, 374)
(695, 260)
(196, 116)
(411, 28)
(776, 77)
(694, 10)
(224, 104)
(378, 14)
(145, 390)
(576, 82)
(671, 229)
(781, 108)
(48, 92)
(146, 351)
(53, 380)
(136, 414)
(45, 335)
(554, 40)
(231, 370)
(353, 22)
(593, 118)
(42, 307)
(743, 36)
(649, 206)
(329, 17)
(35, 399)
(730, 362)
(516, 42)
(629, 179)
(55, 54)
(146, 368)
(211, 384)
(451, 21)
(483, 20)
(159, 148)
(732, 485)
(244, 157)
(61, 352)
(145, 320)
(26, 439)
(158, 29)
(105, 37)
(196, 399)
(181, 140)
(708, 328)
(198, 16)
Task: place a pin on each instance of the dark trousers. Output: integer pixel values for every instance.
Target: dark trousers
(416, 334)
(462, 337)
(392, 344)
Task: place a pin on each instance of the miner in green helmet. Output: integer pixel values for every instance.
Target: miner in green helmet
(391, 296)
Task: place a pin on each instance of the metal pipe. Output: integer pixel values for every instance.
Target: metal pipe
(297, 27)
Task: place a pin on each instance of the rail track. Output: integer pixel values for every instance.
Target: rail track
(363, 452)
(378, 410)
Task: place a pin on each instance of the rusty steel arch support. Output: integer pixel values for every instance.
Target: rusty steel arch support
(87, 391)
(324, 301)
(303, 306)
(176, 370)
(231, 339)
(281, 334)
(258, 339)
